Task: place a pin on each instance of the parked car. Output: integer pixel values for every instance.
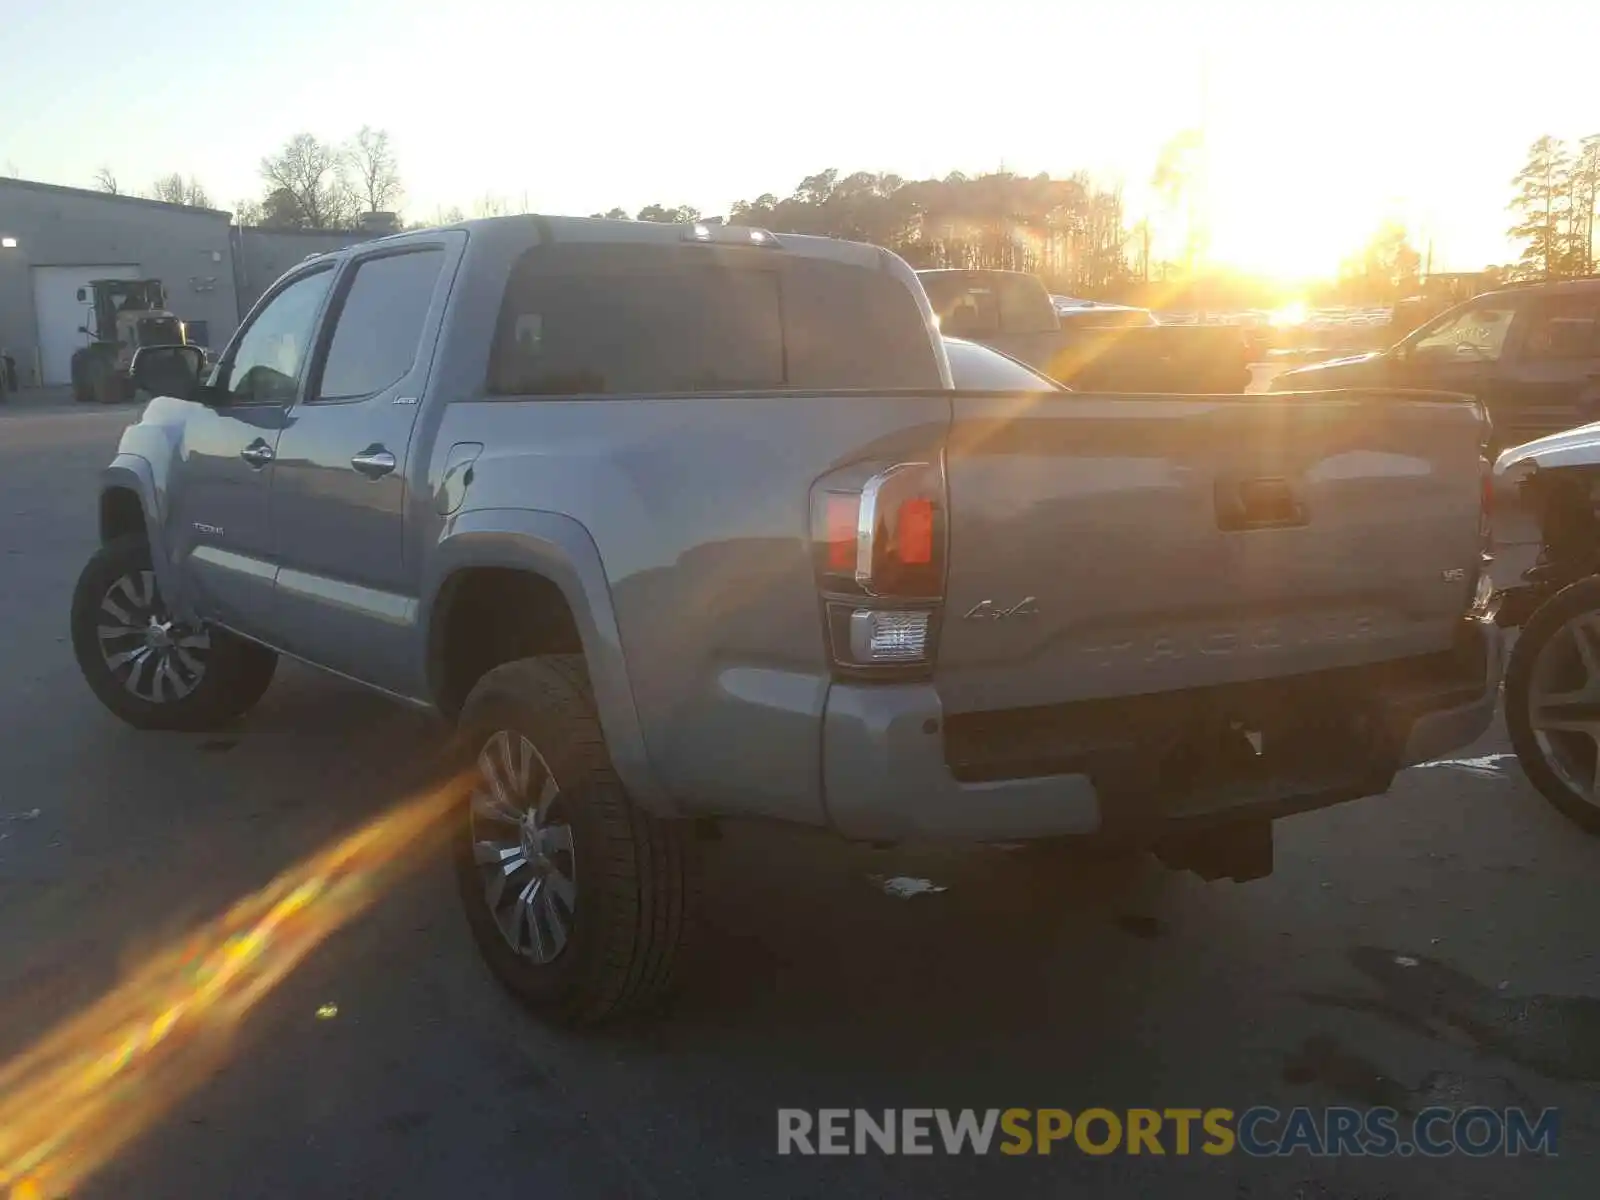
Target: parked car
(1099, 314)
(975, 367)
(1531, 354)
(679, 523)
(1552, 692)
(1099, 348)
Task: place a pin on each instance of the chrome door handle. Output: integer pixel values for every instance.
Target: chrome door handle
(373, 462)
(257, 453)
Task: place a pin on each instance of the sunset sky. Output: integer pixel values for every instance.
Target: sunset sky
(1323, 118)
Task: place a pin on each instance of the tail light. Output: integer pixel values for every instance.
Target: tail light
(879, 544)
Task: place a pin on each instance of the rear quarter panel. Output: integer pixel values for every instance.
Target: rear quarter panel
(698, 507)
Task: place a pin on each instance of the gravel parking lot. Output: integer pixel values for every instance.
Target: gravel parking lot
(1436, 945)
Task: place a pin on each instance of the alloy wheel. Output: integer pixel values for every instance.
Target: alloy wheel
(522, 845)
(1564, 704)
(154, 657)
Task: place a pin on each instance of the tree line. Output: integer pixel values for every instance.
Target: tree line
(1556, 198)
(1071, 230)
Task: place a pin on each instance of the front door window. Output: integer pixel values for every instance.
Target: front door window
(272, 353)
(1475, 334)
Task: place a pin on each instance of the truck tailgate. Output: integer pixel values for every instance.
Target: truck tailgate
(1107, 546)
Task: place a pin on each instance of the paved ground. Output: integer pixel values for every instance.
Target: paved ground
(1012, 987)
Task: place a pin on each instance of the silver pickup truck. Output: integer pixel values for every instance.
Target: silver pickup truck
(687, 522)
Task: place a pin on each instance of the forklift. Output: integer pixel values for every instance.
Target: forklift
(124, 315)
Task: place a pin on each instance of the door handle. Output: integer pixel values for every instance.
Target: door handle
(258, 454)
(374, 462)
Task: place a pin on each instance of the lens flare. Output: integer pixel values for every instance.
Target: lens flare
(70, 1101)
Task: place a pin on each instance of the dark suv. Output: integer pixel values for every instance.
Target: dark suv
(1531, 354)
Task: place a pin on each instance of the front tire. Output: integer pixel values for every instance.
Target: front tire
(152, 671)
(1552, 702)
(580, 902)
(81, 391)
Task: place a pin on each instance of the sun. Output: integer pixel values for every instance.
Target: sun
(1274, 209)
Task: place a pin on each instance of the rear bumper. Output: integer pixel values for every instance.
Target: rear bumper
(894, 768)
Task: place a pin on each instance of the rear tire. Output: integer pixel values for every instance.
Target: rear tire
(1558, 653)
(97, 378)
(581, 903)
(147, 669)
(110, 385)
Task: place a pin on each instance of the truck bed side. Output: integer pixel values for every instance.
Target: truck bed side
(698, 506)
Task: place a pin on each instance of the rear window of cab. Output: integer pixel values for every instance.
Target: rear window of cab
(625, 319)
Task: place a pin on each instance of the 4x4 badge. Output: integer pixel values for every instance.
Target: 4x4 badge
(988, 610)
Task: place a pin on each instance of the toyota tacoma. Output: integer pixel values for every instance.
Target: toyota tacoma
(678, 523)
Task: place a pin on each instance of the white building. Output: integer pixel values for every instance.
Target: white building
(54, 240)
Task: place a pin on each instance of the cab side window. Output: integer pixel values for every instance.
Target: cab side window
(272, 353)
(378, 325)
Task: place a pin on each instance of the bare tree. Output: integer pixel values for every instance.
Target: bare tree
(247, 212)
(175, 189)
(490, 205)
(107, 182)
(375, 171)
(310, 174)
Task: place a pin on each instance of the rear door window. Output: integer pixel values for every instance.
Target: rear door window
(630, 320)
(1563, 329)
(379, 324)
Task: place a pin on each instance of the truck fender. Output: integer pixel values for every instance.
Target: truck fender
(134, 473)
(560, 549)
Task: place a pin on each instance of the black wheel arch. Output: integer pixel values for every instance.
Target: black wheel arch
(556, 556)
(121, 514)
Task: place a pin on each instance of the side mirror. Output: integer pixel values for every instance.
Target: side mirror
(83, 295)
(83, 329)
(176, 371)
